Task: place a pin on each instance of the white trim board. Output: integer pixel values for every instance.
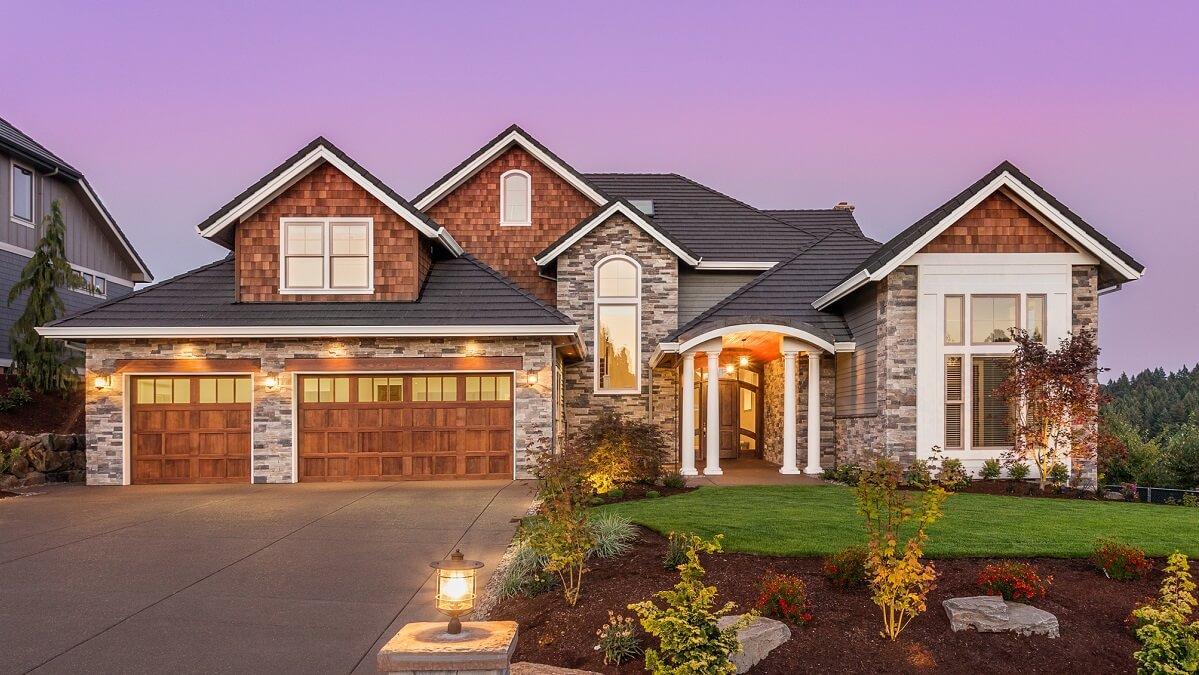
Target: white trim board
(497, 147)
(301, 168)
(1006, 181)
(734, 265)
(595, 221)
(100, 332)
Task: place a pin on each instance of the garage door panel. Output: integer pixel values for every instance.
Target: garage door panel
(178, 438)
(369, 467)
(370, 418)
(394, 467)
(340, 442)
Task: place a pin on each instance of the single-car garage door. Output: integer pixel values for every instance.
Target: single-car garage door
(190, 429)
(405, 427)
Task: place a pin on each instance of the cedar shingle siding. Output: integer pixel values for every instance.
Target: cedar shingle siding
(400, 256)
(997, 225)
(472, 213)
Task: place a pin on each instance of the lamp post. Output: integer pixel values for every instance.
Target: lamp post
(455, 588)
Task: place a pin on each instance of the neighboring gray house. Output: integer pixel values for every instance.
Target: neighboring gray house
(32, 179)
(352, 334)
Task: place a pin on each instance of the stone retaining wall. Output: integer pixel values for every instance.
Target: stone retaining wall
(41, 458)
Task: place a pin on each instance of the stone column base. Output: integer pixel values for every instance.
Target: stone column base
(482, 648)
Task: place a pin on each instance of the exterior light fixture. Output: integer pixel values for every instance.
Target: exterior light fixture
(531, 377)
(730, 368)
(743, 361)
(271, 383)
(101, 383)
(455, 588)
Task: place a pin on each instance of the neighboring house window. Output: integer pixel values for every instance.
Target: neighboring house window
(617, 326)
(22, 194)
(327, 255)
(93, 285)
(992, 317)
(516, 198)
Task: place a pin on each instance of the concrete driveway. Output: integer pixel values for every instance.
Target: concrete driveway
(308, 578)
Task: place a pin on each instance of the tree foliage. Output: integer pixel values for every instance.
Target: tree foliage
(39, 363)
(1153, 401)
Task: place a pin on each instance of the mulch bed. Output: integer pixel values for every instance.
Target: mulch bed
(1025, 489)
(48, 413)
(844, 636)
(635, 491)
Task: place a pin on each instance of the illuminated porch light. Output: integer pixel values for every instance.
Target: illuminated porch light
(455, 588)
(729, 368)
(101, 383)
(743, 361)
(271, 383)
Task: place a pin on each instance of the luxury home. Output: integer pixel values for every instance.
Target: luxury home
(353, 334)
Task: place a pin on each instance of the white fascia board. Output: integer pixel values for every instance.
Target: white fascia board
(87, 190)
(107, 332)
(1003, 180)
(734, 265)
(301, 168)
(462, 175)
(638, 220)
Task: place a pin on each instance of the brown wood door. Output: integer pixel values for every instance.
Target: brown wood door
(405, 427)
(190, 429)
(730, 427)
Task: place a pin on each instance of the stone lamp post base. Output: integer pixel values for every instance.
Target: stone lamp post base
(482, 648)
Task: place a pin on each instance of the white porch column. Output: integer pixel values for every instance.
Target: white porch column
(712, 465)
(813, 466)
(687, 415)
(789, 412)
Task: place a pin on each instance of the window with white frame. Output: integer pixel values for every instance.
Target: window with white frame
(92, 284)
(21, 185)
(516, 198)
(326, 255)
(617, 326)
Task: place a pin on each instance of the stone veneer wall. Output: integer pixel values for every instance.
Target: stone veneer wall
(271, 420)
(659, 317)
(1084, 306)
(897, 363)
(772, 411)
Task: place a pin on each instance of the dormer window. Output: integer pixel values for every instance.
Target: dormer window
(327, 255)
(516, 198)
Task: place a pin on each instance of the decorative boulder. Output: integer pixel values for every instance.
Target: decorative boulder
(757, 639)
(44, 459)
(992, 614)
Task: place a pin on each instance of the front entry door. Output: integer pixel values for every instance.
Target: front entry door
(730, 428)
(733, 424)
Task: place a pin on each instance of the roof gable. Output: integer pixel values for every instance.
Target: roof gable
(513, 135)
(1003, 177)
(218, 226)
(622, 207)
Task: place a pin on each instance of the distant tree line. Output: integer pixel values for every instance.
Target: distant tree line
(1150, 429)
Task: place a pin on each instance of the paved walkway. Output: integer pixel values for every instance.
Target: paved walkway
(307, 578)
(751, 472)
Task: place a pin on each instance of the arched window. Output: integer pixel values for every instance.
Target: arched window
(516, 198)
(618, 326)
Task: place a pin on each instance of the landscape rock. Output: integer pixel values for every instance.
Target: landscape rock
(44, 459)
(757, 639)
(992, 614)
(7, 481)
(525, 668)
(1114, 495)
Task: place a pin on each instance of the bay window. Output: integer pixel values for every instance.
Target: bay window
(617, 326)
(327, 255)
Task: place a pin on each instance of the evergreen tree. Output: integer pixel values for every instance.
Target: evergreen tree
(40, 363)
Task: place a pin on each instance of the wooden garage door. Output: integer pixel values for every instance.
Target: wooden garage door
(405, 427)
(190, 429)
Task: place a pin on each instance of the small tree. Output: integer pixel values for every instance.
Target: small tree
(41, 364)
(1054, 397)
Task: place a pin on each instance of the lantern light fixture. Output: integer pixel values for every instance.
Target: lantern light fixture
(271, 382)
(730, 368)
(455, 588)
(101, 383)
(743, 361)
(531, 378)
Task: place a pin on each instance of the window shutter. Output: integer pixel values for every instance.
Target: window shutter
(953, 402)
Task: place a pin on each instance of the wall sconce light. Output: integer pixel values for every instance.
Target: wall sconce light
(743, 361)
(271, 383)
(455, 588)
(531, 378)
(101, 383)
(730, 368)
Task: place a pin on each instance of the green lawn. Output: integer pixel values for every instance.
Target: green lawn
(817, 520)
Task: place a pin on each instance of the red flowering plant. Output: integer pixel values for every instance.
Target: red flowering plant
(1014, 581)
(847, 568)
(785, 598)
(1120, 561)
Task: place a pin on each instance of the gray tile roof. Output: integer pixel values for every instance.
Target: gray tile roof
(818, 221)
(784, 294)
(711, 224)
(901, 241)
(458, 292)
(584, 222)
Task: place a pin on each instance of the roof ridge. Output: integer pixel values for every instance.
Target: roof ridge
(552, 311)
(630, 173)
(147, 289)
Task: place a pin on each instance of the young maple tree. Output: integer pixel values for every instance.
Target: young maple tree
(1054, 398)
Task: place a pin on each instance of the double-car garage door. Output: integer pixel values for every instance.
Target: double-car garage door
(196, 429)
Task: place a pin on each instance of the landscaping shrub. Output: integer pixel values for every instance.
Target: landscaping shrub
(15, 398)
(899, 580)
(674, 481)
(953, 475)
(1015, 581)
(1059, 475)
(784, 597)
(847, 568)
(1018, 471)
(652, 494)
(918, 475)
(690, 641)
(848, 473)
(676, 550)
(991, 469)
(614, 494)
(562, 536)
(1182, 456)
(524, 574)
(620, 450)
(562, 474)
(1120, 561)
(618, 639)
(611, 534)
(1168, 635)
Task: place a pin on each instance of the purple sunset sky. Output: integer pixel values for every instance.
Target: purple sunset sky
(171, 111)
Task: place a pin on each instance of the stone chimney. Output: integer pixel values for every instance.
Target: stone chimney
(844, 206)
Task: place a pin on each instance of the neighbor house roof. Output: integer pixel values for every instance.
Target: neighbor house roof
(21, 145)
(783, 295)
(715, 226)
(1118, 265)
(218, 226)
(460, 295)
